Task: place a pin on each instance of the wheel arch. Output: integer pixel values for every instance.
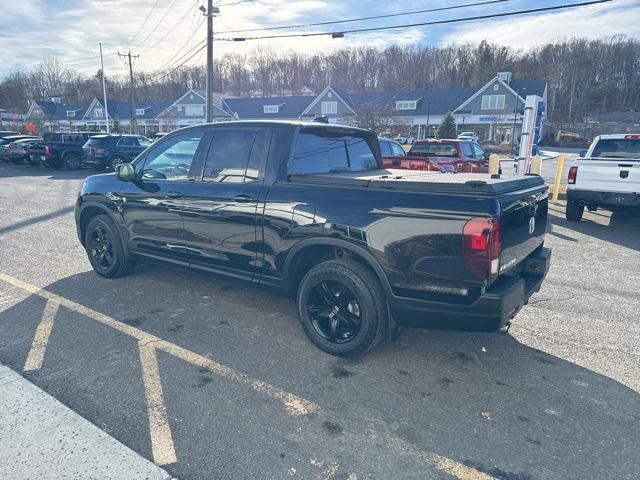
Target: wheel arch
(90, 211)
(296, 255)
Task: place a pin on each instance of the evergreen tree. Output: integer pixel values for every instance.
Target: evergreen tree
(116, 127)
(447, 129)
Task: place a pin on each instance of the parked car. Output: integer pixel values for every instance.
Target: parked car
(7, 133)
(5, 144)
(159, 135)
(449, 156)
(109, 151)
(360, 250)
(19, 150)
(391, 148)
(470, 136)
(404, 139)
(605, 176)
(58, 150)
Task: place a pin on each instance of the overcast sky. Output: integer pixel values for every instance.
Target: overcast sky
(70, 30)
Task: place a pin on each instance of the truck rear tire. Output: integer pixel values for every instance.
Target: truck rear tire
(342, 307)
(72, 161)
(574, 211)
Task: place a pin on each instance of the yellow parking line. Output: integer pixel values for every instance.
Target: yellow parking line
(41, 338)
(294, 405)
(161, 440)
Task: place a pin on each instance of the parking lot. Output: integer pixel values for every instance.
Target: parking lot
(214, 379)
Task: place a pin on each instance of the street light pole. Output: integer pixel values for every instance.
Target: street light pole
(104, 91)
(428, 113)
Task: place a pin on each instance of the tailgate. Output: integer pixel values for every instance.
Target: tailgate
(523, 224)
(609, 175)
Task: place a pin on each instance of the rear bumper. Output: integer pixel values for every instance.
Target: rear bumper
(493, 310)
(590, 197)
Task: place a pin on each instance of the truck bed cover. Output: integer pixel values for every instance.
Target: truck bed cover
(411, 180)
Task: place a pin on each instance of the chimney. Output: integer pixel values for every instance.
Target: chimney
(505, 77)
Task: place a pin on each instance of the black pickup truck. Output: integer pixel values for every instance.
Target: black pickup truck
(308, 208)
(59, 150)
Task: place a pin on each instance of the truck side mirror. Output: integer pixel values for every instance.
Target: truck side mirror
(126, 172)
(583, 153)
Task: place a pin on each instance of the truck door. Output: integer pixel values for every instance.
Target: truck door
(220, 212)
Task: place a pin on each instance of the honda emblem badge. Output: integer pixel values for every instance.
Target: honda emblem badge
(532, 225)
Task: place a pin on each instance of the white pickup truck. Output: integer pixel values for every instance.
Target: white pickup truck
(605, 176)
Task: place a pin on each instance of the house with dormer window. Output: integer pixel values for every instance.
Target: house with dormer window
(491, 111)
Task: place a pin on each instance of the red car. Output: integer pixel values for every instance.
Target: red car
(442, 155)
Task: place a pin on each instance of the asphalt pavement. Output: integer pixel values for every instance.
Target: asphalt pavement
(214, 379)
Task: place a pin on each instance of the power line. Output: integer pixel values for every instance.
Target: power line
(157, 24)
(233, 3)
(145, 21)
(181, 64)
(172, 28)
(339, 34)
(173, 59)
(317, 24)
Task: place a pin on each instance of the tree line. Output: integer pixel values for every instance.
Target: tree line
(584, 76)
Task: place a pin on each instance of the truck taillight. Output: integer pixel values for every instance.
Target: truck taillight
(573, 173)
(482, 246)
(633, 136)
(47, 150)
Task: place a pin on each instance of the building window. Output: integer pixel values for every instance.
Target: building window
(98, 112)
(406, 105)
(328, 108)
(71, 113)
(493, 102)
(194, 110)
(496, 87)
(139, 111)
(270, 108)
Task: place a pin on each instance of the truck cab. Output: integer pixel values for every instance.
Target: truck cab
(606, 176)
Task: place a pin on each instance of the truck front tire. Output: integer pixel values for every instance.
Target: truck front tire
(574, 211)
(105, 248)
(342, 307)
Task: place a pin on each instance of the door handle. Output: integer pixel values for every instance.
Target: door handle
(173, 194)
(242, 198)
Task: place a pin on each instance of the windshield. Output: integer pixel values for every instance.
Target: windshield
(617, 148)
(434, 149)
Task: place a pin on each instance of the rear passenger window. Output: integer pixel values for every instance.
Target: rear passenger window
(479, 153)
(397, 150)
(235, 156)
(467, 151)
(328, 152)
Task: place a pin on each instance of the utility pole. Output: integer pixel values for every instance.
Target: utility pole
(104, 91)
(133, 127)
(210, 12)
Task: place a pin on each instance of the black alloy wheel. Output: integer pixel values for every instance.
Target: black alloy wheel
(105, 248)
(342, 307)
(334, 311)
(101, 249)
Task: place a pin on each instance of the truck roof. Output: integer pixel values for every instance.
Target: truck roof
(296, 123)
(619, 136)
